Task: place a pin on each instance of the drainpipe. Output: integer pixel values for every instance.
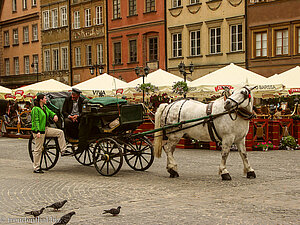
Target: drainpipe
(70, 44)
(246, 35)
(166, 47)
(107, 42)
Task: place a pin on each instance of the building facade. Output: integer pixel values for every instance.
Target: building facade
(208, 34)
(274, 37)
(55, 40)
(20, 51)
(89, 43)
(136, 36)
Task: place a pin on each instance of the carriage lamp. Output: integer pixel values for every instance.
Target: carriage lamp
(182, 69)
(100, 67)
(139, 72)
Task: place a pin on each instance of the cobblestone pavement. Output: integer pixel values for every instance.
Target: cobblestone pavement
(198, 196)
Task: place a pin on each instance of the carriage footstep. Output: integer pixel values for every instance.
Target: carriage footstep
(173, 173)
(226, 176)
(251, 175)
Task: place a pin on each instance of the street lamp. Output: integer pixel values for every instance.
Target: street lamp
(182, 69)
(97, 67)
(140, 72)
(35, 65)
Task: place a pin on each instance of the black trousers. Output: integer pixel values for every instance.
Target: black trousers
(71, 128)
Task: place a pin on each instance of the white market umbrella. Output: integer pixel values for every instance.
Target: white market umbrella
(5, 93)
(102, 85)
(232, 76)
(290, 79)
(46, 86)
(162, 79)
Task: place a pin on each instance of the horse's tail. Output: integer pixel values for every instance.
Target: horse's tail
(158, 136)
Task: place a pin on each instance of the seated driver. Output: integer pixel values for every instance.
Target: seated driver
(72, 109)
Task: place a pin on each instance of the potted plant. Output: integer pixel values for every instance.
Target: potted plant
(180, 87)
(288, 143)
(146, 87)
(264, 146)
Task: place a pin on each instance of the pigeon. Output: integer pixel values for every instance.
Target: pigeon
(65, 219)
(57, 205)
(113, 211)
(35, 213)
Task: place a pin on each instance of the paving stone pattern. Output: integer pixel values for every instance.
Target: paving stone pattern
(198, 196)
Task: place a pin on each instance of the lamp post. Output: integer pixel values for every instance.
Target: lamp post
(142, 72)
(182, 67)
(35, 66)
(96, 67)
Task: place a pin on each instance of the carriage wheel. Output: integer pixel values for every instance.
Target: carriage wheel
(138, 153)
(86, 157)
(107, 156)
(50, 153)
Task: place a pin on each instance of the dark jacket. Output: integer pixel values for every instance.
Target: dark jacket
(68, 105)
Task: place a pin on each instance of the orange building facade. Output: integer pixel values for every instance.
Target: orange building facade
(136, 36)
(20, 57)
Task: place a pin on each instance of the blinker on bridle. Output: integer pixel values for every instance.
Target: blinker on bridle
(247, 95)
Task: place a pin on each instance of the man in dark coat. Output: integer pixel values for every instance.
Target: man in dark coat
(72, 109)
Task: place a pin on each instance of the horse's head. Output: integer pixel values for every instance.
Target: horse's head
(241, 98)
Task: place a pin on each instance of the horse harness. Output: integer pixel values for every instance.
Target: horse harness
(210, 124)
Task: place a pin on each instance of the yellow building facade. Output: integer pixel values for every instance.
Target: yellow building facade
(208, 34)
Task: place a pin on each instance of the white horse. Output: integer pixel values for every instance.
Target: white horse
(231, 128)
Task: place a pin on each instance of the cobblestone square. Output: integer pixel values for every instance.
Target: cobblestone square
(198, 196)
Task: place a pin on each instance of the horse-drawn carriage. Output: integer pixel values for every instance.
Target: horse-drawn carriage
(105, 136)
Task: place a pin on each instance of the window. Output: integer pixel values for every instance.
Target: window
(215, 40)
(54, 17)
(176, 3)
(16, 37)
(261, 44)
(298, 29)
(64, 58)
(46, 19)
(34, 3)
(16, 66)
(98, 15)
(87, 14)
(195, 43)
(24, 4)
(132, 7)
(6, 38)
(14, 5)
(194, 1)
(177, 45)
(282, 42)
(25, 35)
(77, 56)
(117, 53)
(26, 64)
(132, 51)
(35, 36)
(47, 60)
(99, 53)
(88, 54)
(63, 16)
(236, 35)
(150, 5)
(76, 20)
(55, 59)
(7, 69)
(35, 63)
(153, 49)
(116, 9)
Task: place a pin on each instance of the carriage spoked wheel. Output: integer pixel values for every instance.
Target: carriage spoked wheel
(107, 156)
(50, 153)
(138, 153)
(86, 157)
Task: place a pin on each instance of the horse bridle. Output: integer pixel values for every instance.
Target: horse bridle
(246, 96)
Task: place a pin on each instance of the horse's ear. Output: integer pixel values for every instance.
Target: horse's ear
(253, 87)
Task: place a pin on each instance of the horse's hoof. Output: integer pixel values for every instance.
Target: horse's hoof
(251, 175)
(226, 176)
(173, 173)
